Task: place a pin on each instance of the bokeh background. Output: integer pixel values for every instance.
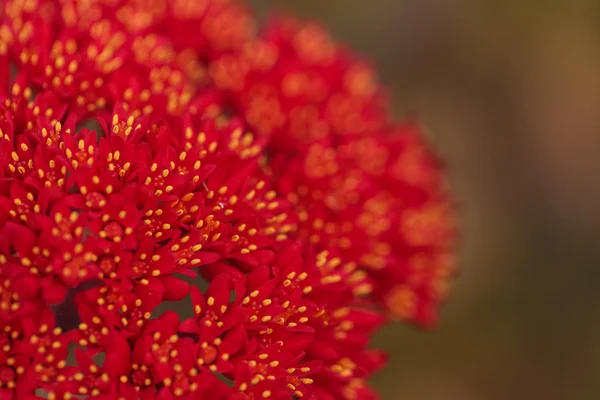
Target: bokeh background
(509, 92)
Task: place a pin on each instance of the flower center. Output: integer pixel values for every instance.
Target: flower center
(141, 376)
(114, 230)
(207, 354)
(162, 352)
(95, 201)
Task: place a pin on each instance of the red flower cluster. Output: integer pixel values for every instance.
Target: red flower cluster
(359, 184)
(129, 177)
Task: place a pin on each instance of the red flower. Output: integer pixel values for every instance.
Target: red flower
(33, 353)
(360, 185)
(395, 234)
(129, 173)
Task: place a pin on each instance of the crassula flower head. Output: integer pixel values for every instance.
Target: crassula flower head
(163, 151)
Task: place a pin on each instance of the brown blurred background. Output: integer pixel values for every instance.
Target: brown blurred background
(510, 94)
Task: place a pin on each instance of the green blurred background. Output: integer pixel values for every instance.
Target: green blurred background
(510, 94)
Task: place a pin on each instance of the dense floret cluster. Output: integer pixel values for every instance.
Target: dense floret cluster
(160, 151)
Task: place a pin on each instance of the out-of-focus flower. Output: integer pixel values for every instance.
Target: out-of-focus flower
(371, 189)
(127, 170)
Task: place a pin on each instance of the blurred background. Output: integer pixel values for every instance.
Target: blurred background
(509, 92)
